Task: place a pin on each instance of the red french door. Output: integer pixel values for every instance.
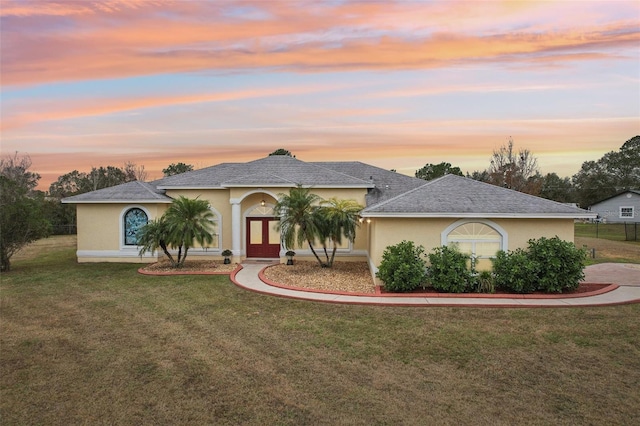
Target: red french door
(262, 238)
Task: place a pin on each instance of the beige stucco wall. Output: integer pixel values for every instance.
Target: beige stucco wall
(219, 200)
(100, 236)
(427, 232)
(100, 231)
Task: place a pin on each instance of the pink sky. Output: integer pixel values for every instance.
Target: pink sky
(394, 84)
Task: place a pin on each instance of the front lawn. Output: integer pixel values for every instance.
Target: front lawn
(99, 343)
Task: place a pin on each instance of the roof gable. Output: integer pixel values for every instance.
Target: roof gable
(629, 191)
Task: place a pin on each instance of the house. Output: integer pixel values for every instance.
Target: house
(622, 207)
(479, 217)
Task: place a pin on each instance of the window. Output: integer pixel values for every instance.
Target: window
(626, 212)
(476, 238)
(134, 219)
(482, 239)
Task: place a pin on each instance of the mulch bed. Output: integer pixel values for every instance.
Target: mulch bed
(345, 277)
(190, 267)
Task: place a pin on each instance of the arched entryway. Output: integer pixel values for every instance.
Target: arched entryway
(262, 237)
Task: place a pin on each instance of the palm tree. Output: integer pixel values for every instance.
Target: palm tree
(297, 219)
(153, 236)
(340, 218)
(186, 221)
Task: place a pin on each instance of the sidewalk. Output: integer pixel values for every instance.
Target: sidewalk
(628, 279)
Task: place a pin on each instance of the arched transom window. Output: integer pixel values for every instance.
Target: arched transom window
(476, 238)
(134, 219)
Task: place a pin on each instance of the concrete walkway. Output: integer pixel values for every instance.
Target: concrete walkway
(626, 276)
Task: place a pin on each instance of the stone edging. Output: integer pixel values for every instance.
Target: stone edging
(605, 289)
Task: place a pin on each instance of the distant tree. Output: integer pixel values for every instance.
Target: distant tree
(134, 172)
(611, 174)
(482, 176)
(433, 171)
(515, 170)
(105, 177)
(176, 169)
(71, 183)
(16, 168)
(21, 217)
(557, 189)
(281, 151)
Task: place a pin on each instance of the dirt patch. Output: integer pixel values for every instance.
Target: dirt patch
(351, 277)
(611, 251)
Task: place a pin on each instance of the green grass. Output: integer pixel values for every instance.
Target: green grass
(99, 343)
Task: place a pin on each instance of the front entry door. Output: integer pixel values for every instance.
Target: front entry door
(262, 238)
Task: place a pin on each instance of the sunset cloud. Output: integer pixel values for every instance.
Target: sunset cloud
(393, 83)
(369, 36)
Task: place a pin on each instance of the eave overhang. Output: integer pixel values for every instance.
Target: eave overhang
(481, 215)
(137, 201)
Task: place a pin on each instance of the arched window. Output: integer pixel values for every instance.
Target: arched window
(479, 238)
(134, 219)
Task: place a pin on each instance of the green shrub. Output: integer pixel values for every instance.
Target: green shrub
(402, 268)
(515, 272)
(448, 270)
(549, 264)
(561, 264)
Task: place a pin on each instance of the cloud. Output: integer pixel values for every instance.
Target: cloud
(41, 111)
(115, 41)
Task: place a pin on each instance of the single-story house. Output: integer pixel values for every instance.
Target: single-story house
(479, 217)
(619, 208)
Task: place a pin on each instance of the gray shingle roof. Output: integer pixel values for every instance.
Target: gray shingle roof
(389, 193)
(388, 184)
(453, 195)
(135, 191)
(278, 170)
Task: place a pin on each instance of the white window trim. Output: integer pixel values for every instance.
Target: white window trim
(633, 212)
(444, 236)
(124, 211)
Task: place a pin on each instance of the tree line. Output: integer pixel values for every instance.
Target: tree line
(518, 169)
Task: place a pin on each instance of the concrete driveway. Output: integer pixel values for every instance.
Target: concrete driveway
(615, 273)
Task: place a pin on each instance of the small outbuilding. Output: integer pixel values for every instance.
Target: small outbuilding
(620, 208)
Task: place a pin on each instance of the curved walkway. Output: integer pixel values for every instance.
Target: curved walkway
(627, 277)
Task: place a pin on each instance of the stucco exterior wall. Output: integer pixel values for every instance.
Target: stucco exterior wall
(100, 232)
(428, 233)
(251, 198)
(219, 200)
